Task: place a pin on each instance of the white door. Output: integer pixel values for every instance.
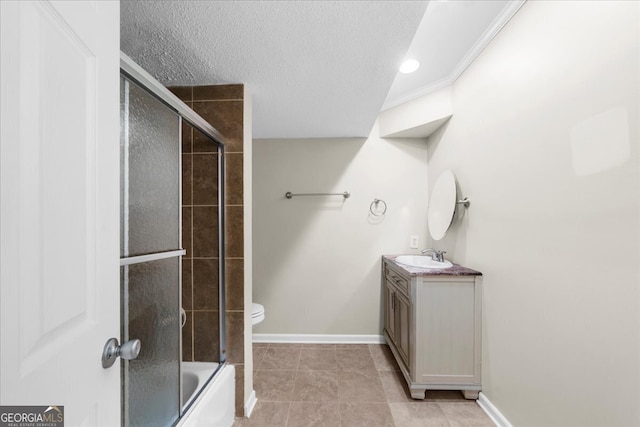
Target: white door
(59, 189)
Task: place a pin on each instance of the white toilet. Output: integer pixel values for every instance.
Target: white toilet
(257, 314)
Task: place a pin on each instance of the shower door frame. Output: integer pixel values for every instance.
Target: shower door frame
(132, 71)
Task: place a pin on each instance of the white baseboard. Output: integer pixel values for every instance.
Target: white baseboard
(318, 339)
(493, 412)
(250, 404)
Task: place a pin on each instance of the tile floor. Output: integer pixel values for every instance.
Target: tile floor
(346, 386)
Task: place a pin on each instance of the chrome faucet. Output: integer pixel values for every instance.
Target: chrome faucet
(436, 255)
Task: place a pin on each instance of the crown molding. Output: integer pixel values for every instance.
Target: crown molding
(501, 20)
(424, 90)
(483, 41)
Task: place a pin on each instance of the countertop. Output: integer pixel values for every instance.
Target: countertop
(455, 270)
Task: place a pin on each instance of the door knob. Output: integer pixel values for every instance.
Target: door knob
(112, 350)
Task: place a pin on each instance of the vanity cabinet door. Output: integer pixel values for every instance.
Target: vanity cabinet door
(397, 314)
(402, 314)
(389, 315)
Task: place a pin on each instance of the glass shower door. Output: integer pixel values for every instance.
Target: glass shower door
(150, 256)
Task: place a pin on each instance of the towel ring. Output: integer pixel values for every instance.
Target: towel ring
(376, 202)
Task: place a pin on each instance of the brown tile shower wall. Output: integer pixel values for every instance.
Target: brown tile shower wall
(222, 106)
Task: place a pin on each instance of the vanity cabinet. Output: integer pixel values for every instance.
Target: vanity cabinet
(432, 323)
(397, 318)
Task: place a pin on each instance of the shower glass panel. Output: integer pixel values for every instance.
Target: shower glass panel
(152, 380)
(150, 257)
(167, 149)
(150, 170)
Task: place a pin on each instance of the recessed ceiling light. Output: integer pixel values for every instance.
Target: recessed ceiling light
(409, 66)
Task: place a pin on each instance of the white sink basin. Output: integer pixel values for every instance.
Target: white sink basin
(422, 261)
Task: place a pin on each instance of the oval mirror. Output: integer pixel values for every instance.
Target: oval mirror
(442, 205)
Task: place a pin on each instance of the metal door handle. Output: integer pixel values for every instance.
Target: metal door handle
(183, 317)
(129, 351)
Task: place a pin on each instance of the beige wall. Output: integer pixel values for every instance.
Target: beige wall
(316, 266)
(544, 141)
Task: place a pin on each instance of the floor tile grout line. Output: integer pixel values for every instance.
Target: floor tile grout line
(391, 413)
(293, 388)
(389, 404)
(335, 355)
(445, 414)
(286, 422)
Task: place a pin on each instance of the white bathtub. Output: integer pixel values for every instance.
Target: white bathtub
(215, 406)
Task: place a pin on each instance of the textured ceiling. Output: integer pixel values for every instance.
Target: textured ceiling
(315, 68)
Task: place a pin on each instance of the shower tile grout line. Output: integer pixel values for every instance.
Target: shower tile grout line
(217, 100)
(212, 206)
